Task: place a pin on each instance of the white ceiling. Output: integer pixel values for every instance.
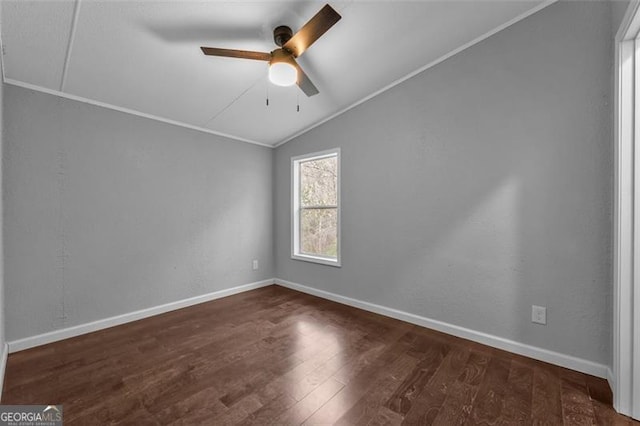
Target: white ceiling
(144, 55)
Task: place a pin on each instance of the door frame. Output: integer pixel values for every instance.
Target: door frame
(625, 380)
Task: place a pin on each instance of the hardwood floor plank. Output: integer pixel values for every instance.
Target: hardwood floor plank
(599, 390)
(386, 417)
(457, 406)
(277, 356)
(490, 399)
(546, 403)
(475, 368)
(366, 408)
(357, 386)
(311, 381)
(358, 363)
(265, 414)
(426, 406)
(577, 408)
(239, 412)
(517, 407)
(432, 357)
(199, 407)
(303, 409)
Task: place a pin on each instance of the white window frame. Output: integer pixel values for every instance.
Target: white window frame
(295, 208)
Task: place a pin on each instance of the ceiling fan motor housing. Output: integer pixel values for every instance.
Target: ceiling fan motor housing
(282, 34)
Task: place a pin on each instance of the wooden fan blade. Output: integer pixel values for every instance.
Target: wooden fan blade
(233, 53)
(304, 82)
(312, 31)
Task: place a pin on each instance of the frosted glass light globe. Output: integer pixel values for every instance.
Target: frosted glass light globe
(283, 74)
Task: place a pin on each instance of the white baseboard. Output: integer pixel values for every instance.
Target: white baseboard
(65, 333)
(534, 352)
(3, 365)
(552, 357)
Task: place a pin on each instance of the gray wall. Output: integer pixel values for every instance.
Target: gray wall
(107, 213)
(480, 187)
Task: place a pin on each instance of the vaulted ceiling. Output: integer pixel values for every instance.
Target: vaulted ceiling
(144, 56)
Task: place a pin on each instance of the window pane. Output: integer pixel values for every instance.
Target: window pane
(319, 232)
(319, 183)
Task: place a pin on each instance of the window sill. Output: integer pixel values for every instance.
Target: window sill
(315, 259)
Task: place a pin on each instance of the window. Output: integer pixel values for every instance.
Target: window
(316, 207)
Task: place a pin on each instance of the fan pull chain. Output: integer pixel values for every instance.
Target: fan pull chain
(298, 102)
(267, 94)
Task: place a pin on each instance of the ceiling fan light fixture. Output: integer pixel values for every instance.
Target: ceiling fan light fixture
(283, 74)
(283, 68)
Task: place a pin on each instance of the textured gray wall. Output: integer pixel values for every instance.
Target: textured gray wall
(480, 187)
(107, 213)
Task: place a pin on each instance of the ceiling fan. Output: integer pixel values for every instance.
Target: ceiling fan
(283, 68)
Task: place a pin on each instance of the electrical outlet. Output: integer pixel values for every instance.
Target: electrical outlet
(255, 264)
(539, 314)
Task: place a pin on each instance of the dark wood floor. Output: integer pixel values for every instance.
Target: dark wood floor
(275, 356)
